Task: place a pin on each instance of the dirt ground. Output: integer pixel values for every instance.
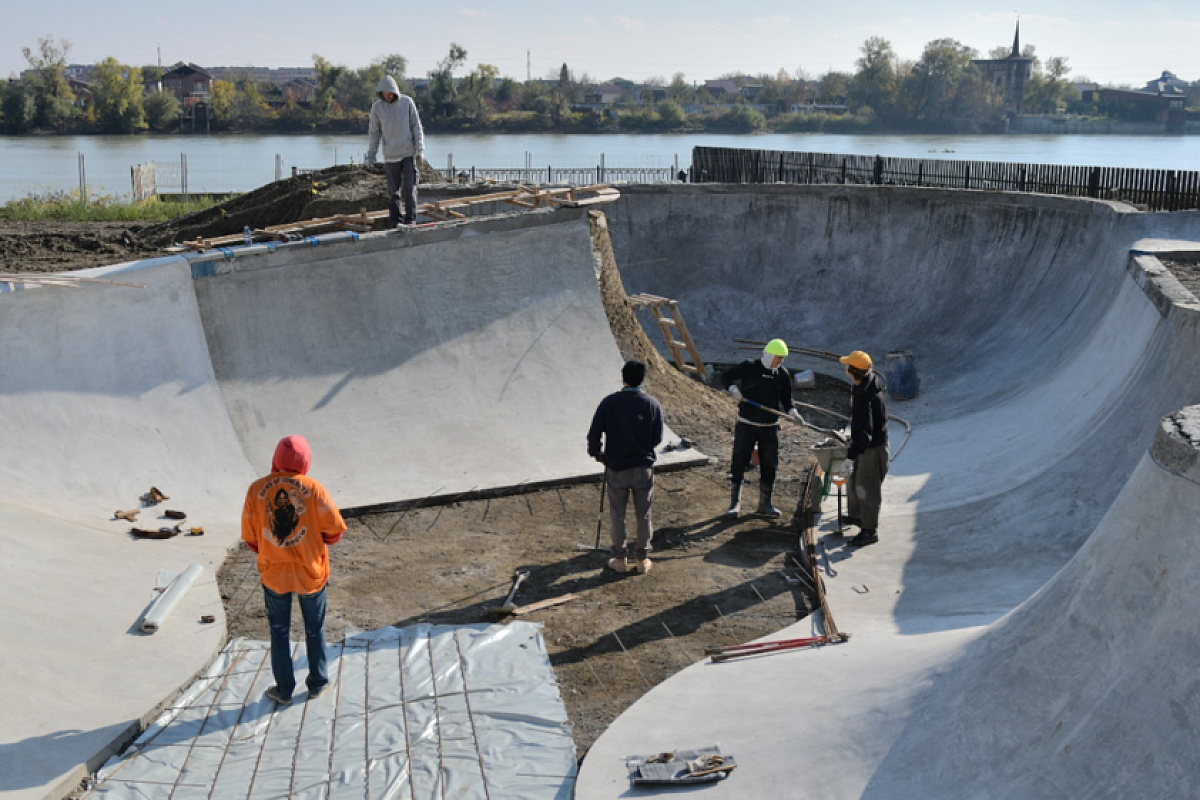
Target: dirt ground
(714, 581)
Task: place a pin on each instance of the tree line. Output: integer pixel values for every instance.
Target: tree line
(942, 91)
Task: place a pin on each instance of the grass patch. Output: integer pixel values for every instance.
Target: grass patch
(71, 207)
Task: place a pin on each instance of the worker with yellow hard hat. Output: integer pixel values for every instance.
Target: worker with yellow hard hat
(763, 385)
(868, 448)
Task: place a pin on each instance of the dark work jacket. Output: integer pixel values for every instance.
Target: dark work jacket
(769, 387)
(868, 415)
(631, 425)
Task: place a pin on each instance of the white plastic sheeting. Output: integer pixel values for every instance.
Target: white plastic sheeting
(176, 586)
(420, 712)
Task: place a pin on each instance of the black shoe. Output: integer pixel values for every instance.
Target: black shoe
(864, 538)
(850, 521)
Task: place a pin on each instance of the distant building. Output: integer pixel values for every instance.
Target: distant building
(719, 87)
(1163, 100)
(265, 76)
(189, 84)
(603, 95)
(1009, 75)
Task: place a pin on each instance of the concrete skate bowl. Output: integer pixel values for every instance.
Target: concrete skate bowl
(412, 362)
(1018, 631)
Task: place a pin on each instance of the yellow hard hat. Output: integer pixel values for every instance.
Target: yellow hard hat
(777, 347)
(858, 359)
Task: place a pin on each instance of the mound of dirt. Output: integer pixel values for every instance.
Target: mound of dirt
(28, 247)
(345, 189)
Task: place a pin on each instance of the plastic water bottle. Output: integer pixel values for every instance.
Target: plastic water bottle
(249, 236)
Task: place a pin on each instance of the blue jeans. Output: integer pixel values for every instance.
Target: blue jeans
(279, 617)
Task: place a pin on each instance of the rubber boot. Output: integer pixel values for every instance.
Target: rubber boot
(735, 501)
(765, 507)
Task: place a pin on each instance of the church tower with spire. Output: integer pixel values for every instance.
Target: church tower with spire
(1010, 75)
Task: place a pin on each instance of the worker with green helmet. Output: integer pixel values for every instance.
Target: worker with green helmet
(762, 385)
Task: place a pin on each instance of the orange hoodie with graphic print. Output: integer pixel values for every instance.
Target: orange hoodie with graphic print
(289, 519)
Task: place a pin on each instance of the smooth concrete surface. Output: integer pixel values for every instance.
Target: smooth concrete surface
(1020, 631)
(428, 363)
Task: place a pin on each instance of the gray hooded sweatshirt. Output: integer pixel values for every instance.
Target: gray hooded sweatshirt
(396, 125)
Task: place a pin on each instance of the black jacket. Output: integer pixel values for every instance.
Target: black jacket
(631, 424)
(868, 415)
(768, 387)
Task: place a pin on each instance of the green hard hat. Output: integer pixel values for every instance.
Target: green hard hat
(777, 347)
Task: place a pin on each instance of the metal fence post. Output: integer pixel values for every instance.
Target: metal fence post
(278, 167)
(83, 190)
(602, 168)
(183, 181)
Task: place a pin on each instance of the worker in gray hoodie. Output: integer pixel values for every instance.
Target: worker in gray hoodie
(396, 124)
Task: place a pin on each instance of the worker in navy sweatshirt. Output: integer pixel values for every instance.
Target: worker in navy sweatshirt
(626, 429)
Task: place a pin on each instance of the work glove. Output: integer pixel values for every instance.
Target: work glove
(795, 417)
(369, 161)
(736, 392)
(852, 454)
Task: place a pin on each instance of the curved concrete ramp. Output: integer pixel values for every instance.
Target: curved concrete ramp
(1050, 343)
(437, 362)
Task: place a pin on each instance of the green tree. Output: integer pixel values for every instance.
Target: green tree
(945, 91)
(671, 114)
(20, 109)
(833, 88)
(117, 96)
(162, 109)
(328, 75)
(1049, 92)
(876, 82)
(475, 92)
(443, 93)
(220, 100)
(741, 118)
(52, 93)
(249, 110)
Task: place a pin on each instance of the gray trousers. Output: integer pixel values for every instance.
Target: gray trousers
(402, 184)
(639, 482)
(865, 488)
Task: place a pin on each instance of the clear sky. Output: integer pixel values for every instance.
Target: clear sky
(1107, 41)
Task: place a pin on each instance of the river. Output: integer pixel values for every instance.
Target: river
(225, 163)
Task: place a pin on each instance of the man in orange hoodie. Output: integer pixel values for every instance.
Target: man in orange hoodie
(289, 519)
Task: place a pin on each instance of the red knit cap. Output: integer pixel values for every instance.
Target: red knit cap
(292, 454)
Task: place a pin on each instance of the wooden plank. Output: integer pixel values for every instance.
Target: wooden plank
(539, 605)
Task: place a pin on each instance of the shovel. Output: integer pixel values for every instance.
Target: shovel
(503, 611)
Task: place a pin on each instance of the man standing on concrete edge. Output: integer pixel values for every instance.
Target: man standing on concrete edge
(868, 448)
(630, 423)
(766, 386)
(289, 520)
(396, 124)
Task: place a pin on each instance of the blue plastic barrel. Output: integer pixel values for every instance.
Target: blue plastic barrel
(901, 373)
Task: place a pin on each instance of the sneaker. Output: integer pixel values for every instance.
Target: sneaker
(734, 511)
(618, 565)
(317, 694)
(864, 538)
(644, 565)
(273, 693)
(850, 521)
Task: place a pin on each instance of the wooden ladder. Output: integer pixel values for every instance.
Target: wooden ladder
(670, 322)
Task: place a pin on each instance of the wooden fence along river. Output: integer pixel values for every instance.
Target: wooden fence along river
(1153, 189)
